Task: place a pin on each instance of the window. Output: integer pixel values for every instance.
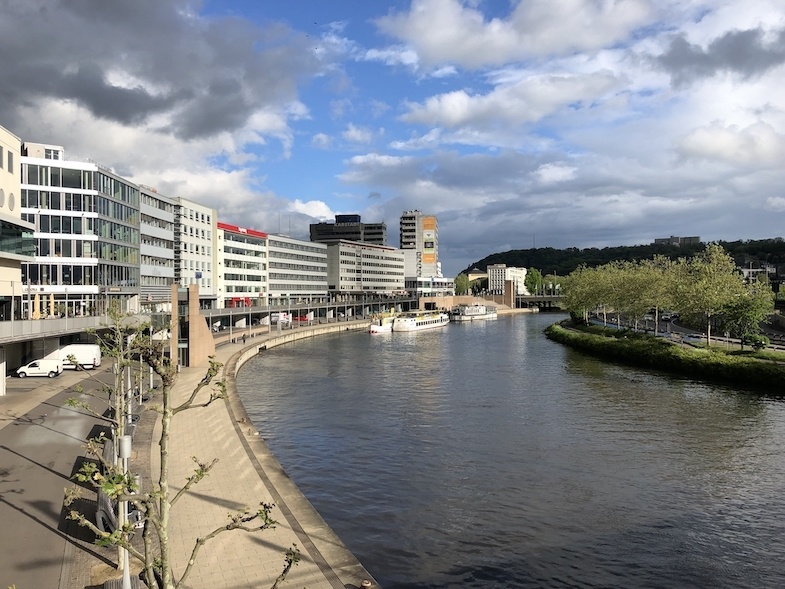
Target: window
(1, 157)
(10, 162)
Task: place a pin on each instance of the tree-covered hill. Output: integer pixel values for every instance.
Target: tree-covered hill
(563, 261)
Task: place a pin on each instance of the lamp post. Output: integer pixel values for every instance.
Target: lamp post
(124, 454)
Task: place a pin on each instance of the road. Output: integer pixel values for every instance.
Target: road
(41, 446)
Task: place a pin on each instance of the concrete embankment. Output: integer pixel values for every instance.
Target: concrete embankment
(247, 473)
(316, 539)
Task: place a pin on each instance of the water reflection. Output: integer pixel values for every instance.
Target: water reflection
(484, 455)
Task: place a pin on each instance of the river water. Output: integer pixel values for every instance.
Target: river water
(485, 455)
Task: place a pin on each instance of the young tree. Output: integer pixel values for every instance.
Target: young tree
(124, 344)
(707, 284)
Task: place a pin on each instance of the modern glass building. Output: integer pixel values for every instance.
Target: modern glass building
(86, 221)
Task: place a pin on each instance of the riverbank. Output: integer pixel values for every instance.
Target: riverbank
(246, 473)
(718, 365)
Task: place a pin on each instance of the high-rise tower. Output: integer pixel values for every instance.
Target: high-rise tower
(420, 241)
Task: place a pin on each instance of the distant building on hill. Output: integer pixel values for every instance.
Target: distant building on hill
(674, 240)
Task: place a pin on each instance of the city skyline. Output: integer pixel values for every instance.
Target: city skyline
(567, 123)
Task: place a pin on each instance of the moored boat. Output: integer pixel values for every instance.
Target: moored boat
(472, 312)
(419, 320)
(382, 323)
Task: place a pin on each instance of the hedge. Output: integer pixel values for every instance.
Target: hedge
(657, 353)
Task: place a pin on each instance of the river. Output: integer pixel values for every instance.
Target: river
(485, 455)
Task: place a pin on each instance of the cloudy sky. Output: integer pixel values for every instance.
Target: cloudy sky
(561, 123)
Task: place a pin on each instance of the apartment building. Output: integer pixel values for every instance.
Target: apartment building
(16, 236)
(86, 233)
(195, 255)
(296, 270)
(364, 268)
(242, 266)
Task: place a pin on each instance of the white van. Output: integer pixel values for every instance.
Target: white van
(44, 367)
(87, 355)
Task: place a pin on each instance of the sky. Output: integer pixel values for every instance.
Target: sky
(519, 124)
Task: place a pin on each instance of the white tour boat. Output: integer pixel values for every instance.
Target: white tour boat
(418, 320)
(382, 323)
(472, 312)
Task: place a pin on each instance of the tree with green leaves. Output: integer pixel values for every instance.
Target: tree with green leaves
(533, 281)
(706, 284)
(742, 316)
(127, 344)
(461, 284)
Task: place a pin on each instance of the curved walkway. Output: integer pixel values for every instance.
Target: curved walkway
(41, 440)
(246, 474)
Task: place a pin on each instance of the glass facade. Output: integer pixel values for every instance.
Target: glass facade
(86, 228)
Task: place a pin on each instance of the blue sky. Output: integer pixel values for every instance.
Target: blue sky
(561, 123)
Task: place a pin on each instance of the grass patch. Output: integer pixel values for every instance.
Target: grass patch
(759, 369)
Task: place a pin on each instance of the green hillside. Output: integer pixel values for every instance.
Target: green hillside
(563, 261)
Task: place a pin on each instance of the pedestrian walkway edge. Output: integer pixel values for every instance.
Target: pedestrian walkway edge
(339, 565)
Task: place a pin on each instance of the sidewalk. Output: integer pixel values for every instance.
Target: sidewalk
(245, 475)
(42, 441)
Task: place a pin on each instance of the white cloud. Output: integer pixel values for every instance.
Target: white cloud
(450, 31)
(355, 134)
(552, 173)
(775, 203)
(394, 56)
(321, 141)
(312, 208)
(524, 101)
(757, 146)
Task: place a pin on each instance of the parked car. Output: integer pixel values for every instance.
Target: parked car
(44, 367)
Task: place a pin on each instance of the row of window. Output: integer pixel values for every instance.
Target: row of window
(296, 246)
(238, 251)
(157, 203)
(156, 222)
(296, 277)
(156, 261)
(297, 267)
(244, 277)
(244, 265)
(62, 274)
(246, 239)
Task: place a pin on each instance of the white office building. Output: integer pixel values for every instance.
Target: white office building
(86, 221)
(357, 268)
(498, 274)
(242, 266)
(297, 270)
(195, 256)
(156, 250)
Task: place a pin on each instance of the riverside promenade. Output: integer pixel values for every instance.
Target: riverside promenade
(42, 443)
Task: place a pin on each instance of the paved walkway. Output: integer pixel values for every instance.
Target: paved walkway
(39, 548)
(245, 475)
